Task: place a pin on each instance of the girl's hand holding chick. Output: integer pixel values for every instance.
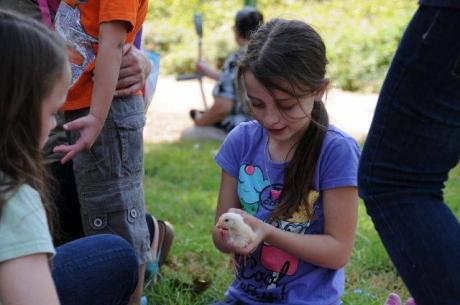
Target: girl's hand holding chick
(241, 231)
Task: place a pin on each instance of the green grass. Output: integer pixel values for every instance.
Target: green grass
(181, 185)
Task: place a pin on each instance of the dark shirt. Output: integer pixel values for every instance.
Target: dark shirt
(441, 3)
(226, 87)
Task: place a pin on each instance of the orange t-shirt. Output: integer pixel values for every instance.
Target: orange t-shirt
(78, 23)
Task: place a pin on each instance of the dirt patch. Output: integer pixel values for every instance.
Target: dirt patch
(168, 114)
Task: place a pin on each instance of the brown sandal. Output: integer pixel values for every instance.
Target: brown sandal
(163, 235)
(165, 241)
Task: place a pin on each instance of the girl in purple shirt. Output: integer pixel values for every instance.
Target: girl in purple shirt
(290, 174)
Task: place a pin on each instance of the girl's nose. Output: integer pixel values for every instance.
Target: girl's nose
(272, 116)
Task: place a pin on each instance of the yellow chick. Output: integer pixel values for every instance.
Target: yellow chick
(240, 234)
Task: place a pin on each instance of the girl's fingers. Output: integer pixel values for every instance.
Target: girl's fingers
(249, 219)
(75, 124)
(69, 156)
(69, 152)
(236, 211)
(249, 249)
(61, 149)
(253, 246)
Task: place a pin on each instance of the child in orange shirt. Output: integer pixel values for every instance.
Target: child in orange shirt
(106, 142)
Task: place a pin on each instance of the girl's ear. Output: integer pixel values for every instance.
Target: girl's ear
(320, 92)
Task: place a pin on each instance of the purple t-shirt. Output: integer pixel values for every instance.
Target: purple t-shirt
(271, 275)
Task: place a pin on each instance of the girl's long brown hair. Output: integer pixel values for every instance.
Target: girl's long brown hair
(290, 56)
(32, 59)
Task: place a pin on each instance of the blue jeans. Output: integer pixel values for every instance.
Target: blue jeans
(413, 143)
(96, 270)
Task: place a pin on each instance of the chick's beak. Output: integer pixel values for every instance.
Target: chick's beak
(221, 226)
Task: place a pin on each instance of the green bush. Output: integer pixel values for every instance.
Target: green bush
(361, 35)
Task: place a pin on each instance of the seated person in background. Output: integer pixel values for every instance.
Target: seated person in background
(226, 111)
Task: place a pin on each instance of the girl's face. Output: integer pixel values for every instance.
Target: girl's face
(284, 116)
(52, 103)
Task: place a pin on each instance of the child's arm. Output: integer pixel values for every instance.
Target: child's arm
(112, 36)
(207, 70)
(27, 280)
(329, 250)
(228, 198)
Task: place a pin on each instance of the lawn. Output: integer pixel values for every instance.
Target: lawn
(181, 185)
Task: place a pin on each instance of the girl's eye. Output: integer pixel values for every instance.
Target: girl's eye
(257, 104)
(286, 108)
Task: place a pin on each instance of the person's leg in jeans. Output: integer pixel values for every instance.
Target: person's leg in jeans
(100, 269)
(413, 143)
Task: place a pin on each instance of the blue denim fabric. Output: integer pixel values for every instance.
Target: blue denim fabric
(96, 270)
(441, 3)
(413, 143)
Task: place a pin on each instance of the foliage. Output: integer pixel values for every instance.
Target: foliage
(181, 185)
(361, 40)
(361, 35)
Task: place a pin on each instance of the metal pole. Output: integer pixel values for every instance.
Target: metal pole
(198, 21)
(252, 3)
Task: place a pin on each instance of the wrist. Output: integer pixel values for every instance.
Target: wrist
(99, 118)
(269, 232)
